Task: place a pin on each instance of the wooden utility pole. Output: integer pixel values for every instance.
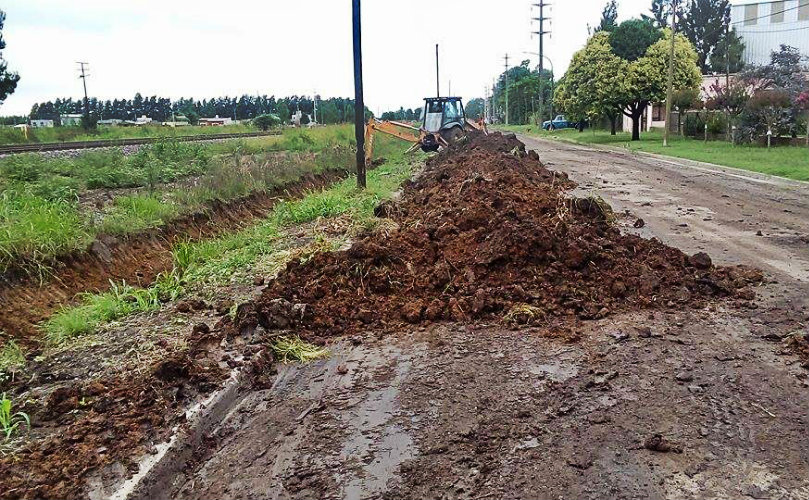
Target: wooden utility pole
(83, 77)
(669, 90)
(506, 88)
(359, 102)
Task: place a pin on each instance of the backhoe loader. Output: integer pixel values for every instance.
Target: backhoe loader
(443, 122)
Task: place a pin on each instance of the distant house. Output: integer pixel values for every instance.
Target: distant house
(41, 123)
(765, 26)
(137, 122)
(70, 119)
(215, 121)
(179, 121)
(110, 122)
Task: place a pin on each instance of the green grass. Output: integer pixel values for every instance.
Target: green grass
(40, 218)
(12, 360)
(9, 420)
(235, 256)
(791, 162)
(10, 135)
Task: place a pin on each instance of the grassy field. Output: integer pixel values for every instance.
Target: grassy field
(41, 216)
(238, 256)
(10, 135)
(784, 161)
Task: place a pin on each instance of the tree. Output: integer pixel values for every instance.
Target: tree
(594, 84)
(704, 24)
(474, 108)
(609, 17)
(661, 11)
(632, 38)
(264, 122)
(730, 47)
(683, 100)
(647, 76)
(8, 80)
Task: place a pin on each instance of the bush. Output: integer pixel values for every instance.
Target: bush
(266, 121)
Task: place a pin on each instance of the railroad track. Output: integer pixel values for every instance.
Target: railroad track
(106, 143)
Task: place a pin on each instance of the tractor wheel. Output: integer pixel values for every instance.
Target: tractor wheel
(453, 136)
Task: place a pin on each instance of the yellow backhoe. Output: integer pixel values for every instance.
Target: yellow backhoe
(443, 122)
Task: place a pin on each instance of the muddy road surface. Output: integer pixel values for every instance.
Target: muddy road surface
(671, 402)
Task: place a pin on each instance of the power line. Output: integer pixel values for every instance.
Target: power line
(769, 15)
(541, 35)
(774, 31)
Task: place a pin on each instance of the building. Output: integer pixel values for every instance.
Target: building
(215, 121)
(765, 26)
(70, 119)
(42, 123)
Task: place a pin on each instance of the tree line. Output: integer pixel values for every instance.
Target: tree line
(332, 110)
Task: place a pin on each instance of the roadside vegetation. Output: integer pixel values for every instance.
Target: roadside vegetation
(43, 207)
(791, 162)
(10, 135)
(238, 256)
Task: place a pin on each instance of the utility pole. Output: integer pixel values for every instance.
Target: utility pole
(541, 35)
(727, 80)
(314, 104)
(83, 77)
(506, 88)
(437, 84)
(669, 90)
(359, 102)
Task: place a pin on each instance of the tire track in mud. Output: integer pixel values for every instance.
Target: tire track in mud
(137, 259)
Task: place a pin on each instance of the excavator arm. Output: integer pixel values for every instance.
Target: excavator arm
(390, 128)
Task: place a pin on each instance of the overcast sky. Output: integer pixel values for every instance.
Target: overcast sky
(199, 48)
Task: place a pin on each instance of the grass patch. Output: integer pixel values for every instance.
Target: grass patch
(64, 134)
(97, 308)
(289, 349)
(12, 360)
(234, 256)
(791, 162)
(10, 421)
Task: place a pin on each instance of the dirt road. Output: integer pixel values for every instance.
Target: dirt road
(479, 411)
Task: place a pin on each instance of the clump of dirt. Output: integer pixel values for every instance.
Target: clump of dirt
(483, 229)
(109, 420)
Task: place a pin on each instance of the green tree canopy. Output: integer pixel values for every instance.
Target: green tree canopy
(661, 11)
(8, 80)
(704, 24)
(632, 38)
(609, 17)
(594, 84)
(728, 53)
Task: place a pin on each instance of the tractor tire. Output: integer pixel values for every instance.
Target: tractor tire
(453, 136)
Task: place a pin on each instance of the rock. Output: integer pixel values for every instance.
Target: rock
(639, 223)
(657, 442)
(183, 307)
(258, 280)
(201, 328)
(746, 294)
(684, 377)
(701, 260)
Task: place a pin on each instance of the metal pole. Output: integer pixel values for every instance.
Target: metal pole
(437, 84)
(541, 37)
(359, 102)
(669, 92)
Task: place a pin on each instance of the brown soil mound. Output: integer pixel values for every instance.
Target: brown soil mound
(486, 231)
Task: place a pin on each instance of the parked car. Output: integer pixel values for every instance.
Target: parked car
(559, 122)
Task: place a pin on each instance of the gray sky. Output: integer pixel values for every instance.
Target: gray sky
(200, 48)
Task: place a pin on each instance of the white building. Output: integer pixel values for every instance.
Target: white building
(70, 120)
(764, 26)
(42, 123)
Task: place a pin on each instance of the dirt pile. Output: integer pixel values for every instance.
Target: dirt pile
(485, 232)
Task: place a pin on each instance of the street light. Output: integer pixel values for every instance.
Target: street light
(550, 104)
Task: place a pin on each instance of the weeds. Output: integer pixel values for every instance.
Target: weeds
(10, 422)
(288, 349)
(11, 361)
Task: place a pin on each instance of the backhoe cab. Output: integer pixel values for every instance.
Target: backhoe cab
(443, 122)
(442, 117)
